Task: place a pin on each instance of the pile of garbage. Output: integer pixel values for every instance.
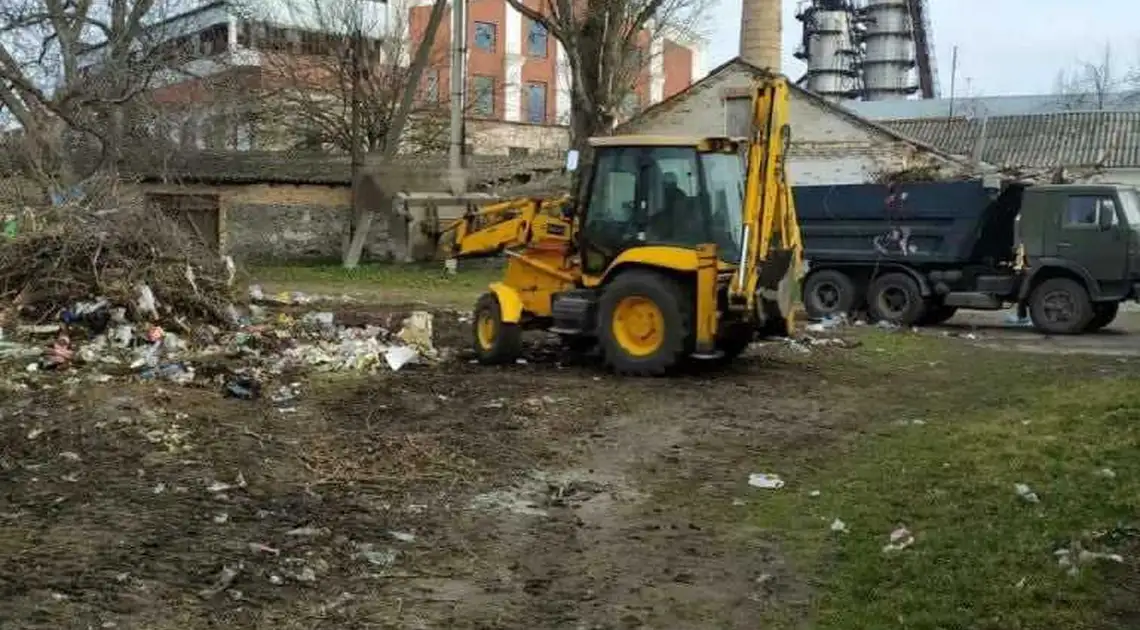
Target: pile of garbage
(119, 295)
(258, 347)
(130, 258)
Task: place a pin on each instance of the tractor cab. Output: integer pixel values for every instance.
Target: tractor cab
(665, 191)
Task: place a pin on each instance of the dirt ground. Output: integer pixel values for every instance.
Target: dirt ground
(455, 496)
(540, 495)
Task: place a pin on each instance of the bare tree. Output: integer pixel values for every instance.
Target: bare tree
(608, 45)
(1093, 84)
(342, 86)
(352, 82)
(56, 96)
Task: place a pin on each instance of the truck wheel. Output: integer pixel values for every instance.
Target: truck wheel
(1103, 314)
(828, 293)
(937, 314)
(896, 298)
(643, 323)
(1060, 306)
(496, 342)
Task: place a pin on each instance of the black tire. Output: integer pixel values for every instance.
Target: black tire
(829, 293)
(895, 298)
(578, 344)
(670, 299)
(937, 314)
(503, 341)
(734, 341)
(1103, 314)
(1060, 306)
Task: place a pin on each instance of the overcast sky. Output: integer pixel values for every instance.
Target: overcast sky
(1004, 46)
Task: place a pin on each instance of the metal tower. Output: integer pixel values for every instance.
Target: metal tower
(831, 32)
(924, 48)
(867, 49)
(889, 50)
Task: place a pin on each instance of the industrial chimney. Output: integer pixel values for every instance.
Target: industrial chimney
(760, 27)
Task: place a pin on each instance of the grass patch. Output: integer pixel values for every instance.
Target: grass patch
(385, 283)
(982, 557)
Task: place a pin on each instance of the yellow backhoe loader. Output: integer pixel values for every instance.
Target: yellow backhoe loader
(674, 249)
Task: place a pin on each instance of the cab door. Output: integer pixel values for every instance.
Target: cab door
(1094, 235)
(614, 199)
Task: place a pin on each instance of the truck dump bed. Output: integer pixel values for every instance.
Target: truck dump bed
(919, 223)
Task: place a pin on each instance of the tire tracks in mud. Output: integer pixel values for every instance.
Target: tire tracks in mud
(632, 537)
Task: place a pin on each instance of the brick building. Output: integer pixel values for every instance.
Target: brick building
(517, 73)
(518, 92)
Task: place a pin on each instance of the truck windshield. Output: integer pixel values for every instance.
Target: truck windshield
(724, 173)
(1130, 202)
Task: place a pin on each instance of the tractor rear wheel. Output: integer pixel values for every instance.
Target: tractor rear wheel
(644, 323)
(496, 341)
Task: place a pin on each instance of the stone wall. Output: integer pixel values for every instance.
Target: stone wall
(273, 222)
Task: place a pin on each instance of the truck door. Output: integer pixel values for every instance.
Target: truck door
(1093, 235)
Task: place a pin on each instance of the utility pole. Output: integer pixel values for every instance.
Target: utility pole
(356, 159)
(458, 92)
(953, 79)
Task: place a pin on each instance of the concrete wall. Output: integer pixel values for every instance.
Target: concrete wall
(827, 147)
(282, 222)
(498, 138)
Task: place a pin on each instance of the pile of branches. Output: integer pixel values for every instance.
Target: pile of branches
(916, 174)
(78, 255)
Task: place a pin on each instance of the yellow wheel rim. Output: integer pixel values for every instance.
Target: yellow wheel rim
(485, 331)
(638, 326)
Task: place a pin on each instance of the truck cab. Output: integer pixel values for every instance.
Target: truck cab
(1082, 253)
(1092, 230)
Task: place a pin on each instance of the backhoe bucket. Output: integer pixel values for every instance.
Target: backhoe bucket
(776, 293)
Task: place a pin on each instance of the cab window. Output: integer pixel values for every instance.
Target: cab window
(614, 193)
(672, 196)
(1084, 210)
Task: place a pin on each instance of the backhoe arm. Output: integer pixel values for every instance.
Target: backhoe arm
(773, 248)
(506, 225)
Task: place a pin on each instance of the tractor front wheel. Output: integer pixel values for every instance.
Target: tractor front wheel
(496, 341)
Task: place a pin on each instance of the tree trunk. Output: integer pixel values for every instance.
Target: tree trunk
(362, 216)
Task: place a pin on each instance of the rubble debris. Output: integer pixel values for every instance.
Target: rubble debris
(223, 581)
(1025, 493)
(765, 480)
(1075, 556)
(243, 388)
(900, 539)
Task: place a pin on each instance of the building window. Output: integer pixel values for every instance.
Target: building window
(536, 40)
(431, 86)
(484, 92)
(738, 117)
(485, 36)
(536, 103)
(214, 40)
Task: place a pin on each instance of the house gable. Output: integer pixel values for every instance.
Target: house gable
(707, 108)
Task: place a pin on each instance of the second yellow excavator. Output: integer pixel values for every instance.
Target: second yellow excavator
(674, 249)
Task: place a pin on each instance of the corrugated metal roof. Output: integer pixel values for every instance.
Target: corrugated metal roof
(1006, 105)
(1107, 139)
(299, 168)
